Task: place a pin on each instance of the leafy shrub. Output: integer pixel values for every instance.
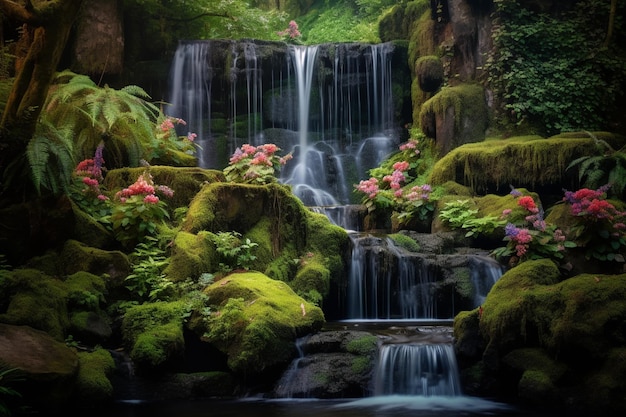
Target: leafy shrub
(234, 252)
(550, 69)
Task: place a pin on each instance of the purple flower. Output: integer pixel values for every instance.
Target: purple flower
(511, 230)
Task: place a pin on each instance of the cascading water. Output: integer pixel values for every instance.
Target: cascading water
(417, 369)
(330, 105)
(384, 283)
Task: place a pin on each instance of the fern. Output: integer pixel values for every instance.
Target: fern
(51, 158)
(608, 166)
(123, 119)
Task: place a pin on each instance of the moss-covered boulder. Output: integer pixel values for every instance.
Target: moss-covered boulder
(93, 386)
(523, 161)
(293, 244)
(153, 334)
(255, 320)
(191, 256)
(30, 297)
(76, 257)
(551, 337)
(455, 116)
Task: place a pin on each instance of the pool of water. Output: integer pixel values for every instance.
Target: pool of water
(383, 406)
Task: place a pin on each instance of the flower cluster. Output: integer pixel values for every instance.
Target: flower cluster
(534, 238)
(600, 225)
(86, 186)
(390, 186)
(139, 210)
(255, 164)
(167, 142)
(292, 31)
(144, 187)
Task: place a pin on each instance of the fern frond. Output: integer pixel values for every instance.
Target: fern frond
(38, 154)
(136, 91)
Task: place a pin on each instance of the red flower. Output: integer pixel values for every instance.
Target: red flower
(528, 203)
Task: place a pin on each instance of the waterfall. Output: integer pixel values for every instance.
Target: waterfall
(385, 283)
(330, 105)
(485, 271)
(291, 382)
(417, 369)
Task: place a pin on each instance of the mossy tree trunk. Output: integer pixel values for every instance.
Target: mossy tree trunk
(46, 27)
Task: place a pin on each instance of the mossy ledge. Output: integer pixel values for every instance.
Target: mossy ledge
(522, 161)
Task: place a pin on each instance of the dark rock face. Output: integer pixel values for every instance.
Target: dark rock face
(336, 364)
(46, 364)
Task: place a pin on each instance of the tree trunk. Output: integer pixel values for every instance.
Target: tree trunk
(48, 23)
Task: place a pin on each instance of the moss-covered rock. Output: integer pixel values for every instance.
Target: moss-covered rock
(89, 231)
(255, 321)
(92, 383)
(524, 161)
(455, 116)
(154, 334)
(30, 297)
(429, 73)
(558, 335)
(289, 238)
(76, 257)
(191, 256)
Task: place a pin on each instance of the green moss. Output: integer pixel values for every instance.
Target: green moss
(33, 298)
(429, 72)
(76, 257)
(606, 385)
(89, 231)
(405, 242)
(365, 345)
(505, 314)
(191, 256)
(154, 333)
(328, 240)
(312, 276)
(520, 161)
(361, 365)
(262, 325)
(85, 291)
(536, 359)
(535, 386)
(92, 383)
(468, 110)
(261, 234)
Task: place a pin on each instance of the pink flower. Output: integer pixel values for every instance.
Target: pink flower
(398, 193)
(506, 212)
(102, 197)
(91, 182)
(261, 159)
(269, 148)
(401, 166)
(166, 125)
(248, 149)
(191, 136)
(165, 190)
(151, 199)
(283, 160)
(523, 236)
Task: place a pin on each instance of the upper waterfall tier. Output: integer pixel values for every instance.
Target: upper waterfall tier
(337, 107)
